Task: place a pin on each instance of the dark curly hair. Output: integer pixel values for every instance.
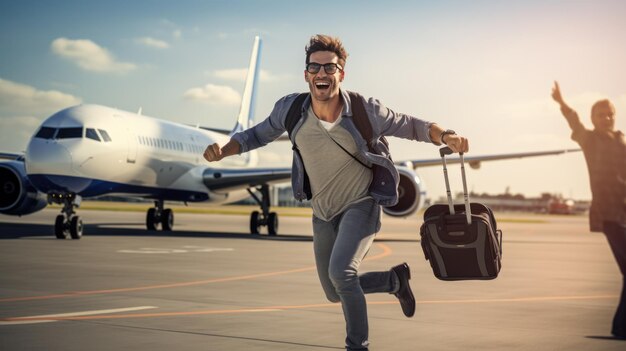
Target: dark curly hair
(321, 42)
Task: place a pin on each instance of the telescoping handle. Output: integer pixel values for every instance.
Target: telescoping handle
(468, 213)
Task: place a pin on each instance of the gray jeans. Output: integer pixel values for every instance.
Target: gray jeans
(340, 245)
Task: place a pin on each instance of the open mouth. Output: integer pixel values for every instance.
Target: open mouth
(322, 85)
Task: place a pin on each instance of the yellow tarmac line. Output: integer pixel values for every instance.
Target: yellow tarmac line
(386, 252)
(53, 317)
(310, 306)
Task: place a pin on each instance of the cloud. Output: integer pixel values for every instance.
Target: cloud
(177, 33)
(239, 75)
(20, 99)
(16, 131)
(214, 94)
(23, 108)
(89, 56)
(153, 43)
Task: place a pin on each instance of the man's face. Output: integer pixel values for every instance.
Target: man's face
(603, 117)
(324, 86)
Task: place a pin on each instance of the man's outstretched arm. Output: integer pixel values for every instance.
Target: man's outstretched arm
(570, 115)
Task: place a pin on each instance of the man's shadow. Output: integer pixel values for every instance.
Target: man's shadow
(605, 337)
(10, 230)
(28, 230)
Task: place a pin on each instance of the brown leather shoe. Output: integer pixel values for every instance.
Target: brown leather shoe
(404, 294)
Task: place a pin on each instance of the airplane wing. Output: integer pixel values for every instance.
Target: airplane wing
(11, 156)
(223, 179)
(216, 130)
(474, 161)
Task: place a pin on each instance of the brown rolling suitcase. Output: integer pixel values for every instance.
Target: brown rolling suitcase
(461, 242)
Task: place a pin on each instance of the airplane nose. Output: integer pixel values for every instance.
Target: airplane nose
(48, 157)
(49, 167)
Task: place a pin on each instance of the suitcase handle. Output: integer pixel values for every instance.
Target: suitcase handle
(468, 213)
(445, 151)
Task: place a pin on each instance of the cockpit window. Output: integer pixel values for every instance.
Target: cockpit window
(66, 133)
(91, 134)
(105, 135)
(45, 133)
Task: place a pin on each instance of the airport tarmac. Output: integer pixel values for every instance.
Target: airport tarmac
(211, 286)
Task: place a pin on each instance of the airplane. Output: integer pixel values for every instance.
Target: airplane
(91, 150)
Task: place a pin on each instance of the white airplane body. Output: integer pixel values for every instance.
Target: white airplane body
(140, 155)
(93, 150)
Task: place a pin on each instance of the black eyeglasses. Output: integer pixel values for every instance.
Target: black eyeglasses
(329, 68)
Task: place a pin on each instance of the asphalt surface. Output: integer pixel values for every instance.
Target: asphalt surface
(211, 286)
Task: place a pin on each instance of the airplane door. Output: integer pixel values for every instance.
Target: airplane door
(132, 146)
(194, 152)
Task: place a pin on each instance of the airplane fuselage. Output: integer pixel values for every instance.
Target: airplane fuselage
(92, 150)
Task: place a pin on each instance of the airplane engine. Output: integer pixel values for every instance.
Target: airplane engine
(17, 195)
(410, 194)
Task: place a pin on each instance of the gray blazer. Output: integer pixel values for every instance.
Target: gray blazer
(385, 122)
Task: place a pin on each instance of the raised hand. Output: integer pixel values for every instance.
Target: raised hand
(556, 94)
(213, 153)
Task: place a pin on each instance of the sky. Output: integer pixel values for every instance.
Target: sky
(482, 68)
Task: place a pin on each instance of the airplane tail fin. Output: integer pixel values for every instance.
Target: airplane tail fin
(246, 112)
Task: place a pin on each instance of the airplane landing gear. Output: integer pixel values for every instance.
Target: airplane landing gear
(68, 222)
(158, 215)
(264, 218)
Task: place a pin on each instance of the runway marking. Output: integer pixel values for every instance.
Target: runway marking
(56, 317)
(386, 252)
(184, 249)
(302, 307)
(521, 299)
